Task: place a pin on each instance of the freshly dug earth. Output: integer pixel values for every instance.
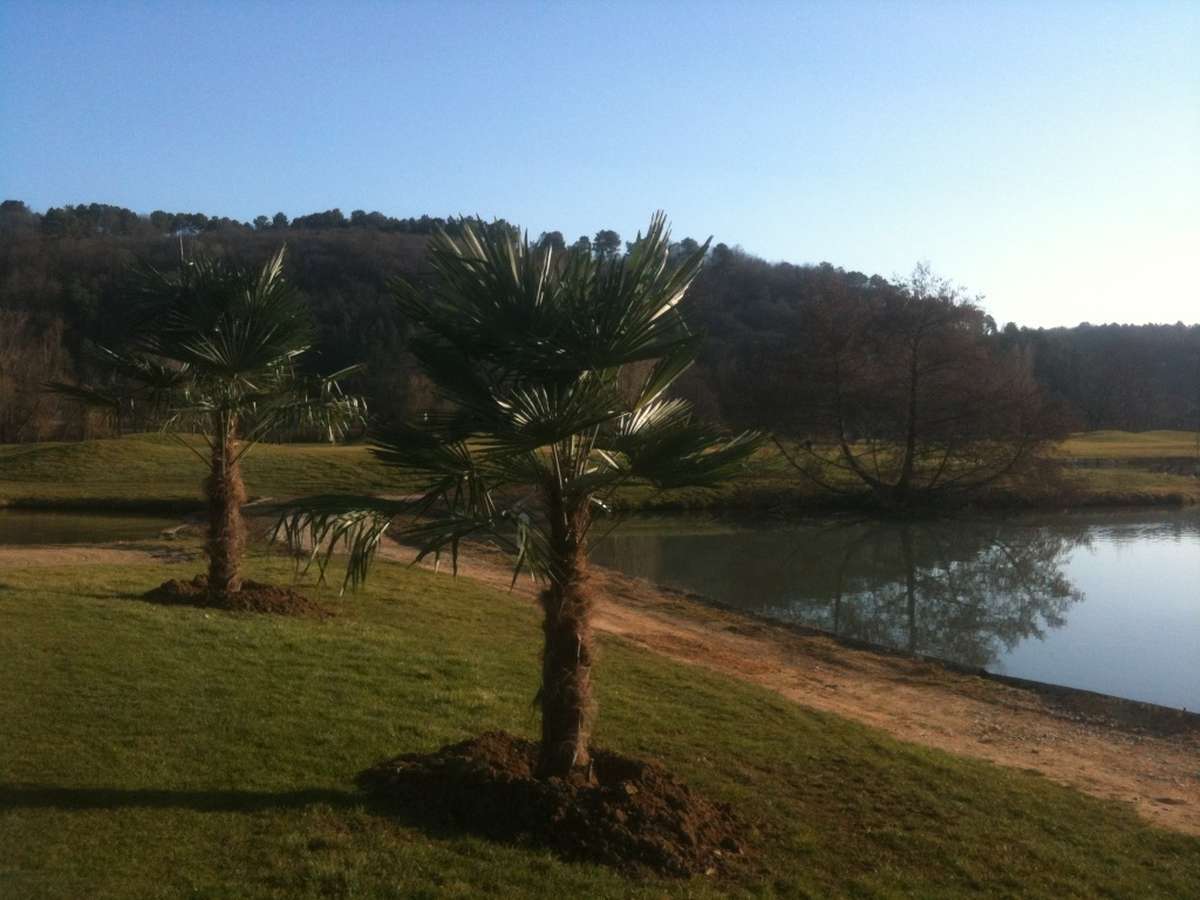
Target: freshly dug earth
(253, 597)
(630, 815)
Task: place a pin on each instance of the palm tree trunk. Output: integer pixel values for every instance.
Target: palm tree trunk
(566, 695)
(226, 530)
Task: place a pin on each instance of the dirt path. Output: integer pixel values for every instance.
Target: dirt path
(1083, 741)
(122, 554)
(1104, 748)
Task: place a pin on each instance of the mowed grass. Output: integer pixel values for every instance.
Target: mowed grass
(167, 752)
(155, 472)
(1128, 482)
(139, 471)
(1133, 486)
(1129, 444)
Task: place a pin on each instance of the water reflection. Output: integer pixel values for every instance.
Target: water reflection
(968, 592)
(19, 526)
(968, 595)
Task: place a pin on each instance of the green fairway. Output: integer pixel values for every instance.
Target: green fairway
(155, 472)
(161, 752)
(1129, 444)
(148, 469)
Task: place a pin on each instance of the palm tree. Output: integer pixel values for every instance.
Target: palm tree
(552, 369)
(213, 352)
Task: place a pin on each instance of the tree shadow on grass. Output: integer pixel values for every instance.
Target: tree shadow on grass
(117, 595)
(433, 823)
(34, 796)
(634, 816)
(167, 553)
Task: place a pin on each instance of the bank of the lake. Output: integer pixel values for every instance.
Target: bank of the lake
(155, 473)
(154, 750)
(1104, 601)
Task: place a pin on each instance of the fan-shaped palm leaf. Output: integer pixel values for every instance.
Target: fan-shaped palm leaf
(528, 349)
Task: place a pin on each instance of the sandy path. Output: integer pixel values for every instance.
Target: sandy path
(917, 701)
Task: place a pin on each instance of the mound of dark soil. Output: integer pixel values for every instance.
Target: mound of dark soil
(253, 597)
(631, 815)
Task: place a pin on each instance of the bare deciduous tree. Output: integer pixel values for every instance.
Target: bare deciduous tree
(901, 390)
(31, 353)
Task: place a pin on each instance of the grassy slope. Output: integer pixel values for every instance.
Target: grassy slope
(155, 752)
(147, 471)
(133, 470)
(1126, 444)
(1130, 483)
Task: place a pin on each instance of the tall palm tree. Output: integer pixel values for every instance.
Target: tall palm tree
(212, 351)
(552, 368)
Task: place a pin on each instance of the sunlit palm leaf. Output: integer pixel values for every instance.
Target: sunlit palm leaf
(527, 348)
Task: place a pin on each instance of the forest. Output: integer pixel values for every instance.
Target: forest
(64, 283)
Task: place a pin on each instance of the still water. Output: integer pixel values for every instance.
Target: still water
(1108, 602)
(20, 526)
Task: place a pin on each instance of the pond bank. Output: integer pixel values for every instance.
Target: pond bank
(1143, 755)
(1138, 753)
(1100, 488)
(154, 474)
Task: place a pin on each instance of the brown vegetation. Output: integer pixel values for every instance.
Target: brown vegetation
(901, 393)
(226, 493)
(566, 693)
(31, 353)
(69, 265)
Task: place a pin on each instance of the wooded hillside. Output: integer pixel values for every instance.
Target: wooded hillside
(64, 274)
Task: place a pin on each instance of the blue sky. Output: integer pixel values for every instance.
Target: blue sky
(1045, 155)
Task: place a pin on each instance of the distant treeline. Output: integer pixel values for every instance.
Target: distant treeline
(64, 273)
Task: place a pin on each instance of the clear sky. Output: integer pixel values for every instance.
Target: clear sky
(1044, 154)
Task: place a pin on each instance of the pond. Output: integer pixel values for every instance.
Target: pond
(1107, 602)
(21, 526)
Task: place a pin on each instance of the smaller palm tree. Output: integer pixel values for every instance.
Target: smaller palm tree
(552, 369)
(213, 351)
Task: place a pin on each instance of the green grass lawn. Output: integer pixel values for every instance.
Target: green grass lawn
(164, 752)
(154, 472)
(1126, 444)
(147, 469)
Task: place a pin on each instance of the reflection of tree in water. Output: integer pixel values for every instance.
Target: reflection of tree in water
(963, 592)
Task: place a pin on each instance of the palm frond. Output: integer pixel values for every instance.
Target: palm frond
(526, 350)
(318, 527)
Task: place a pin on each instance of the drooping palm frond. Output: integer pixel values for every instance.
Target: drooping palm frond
(356, 525)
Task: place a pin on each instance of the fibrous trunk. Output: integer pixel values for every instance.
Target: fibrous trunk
(226, 530)
(566, 695)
